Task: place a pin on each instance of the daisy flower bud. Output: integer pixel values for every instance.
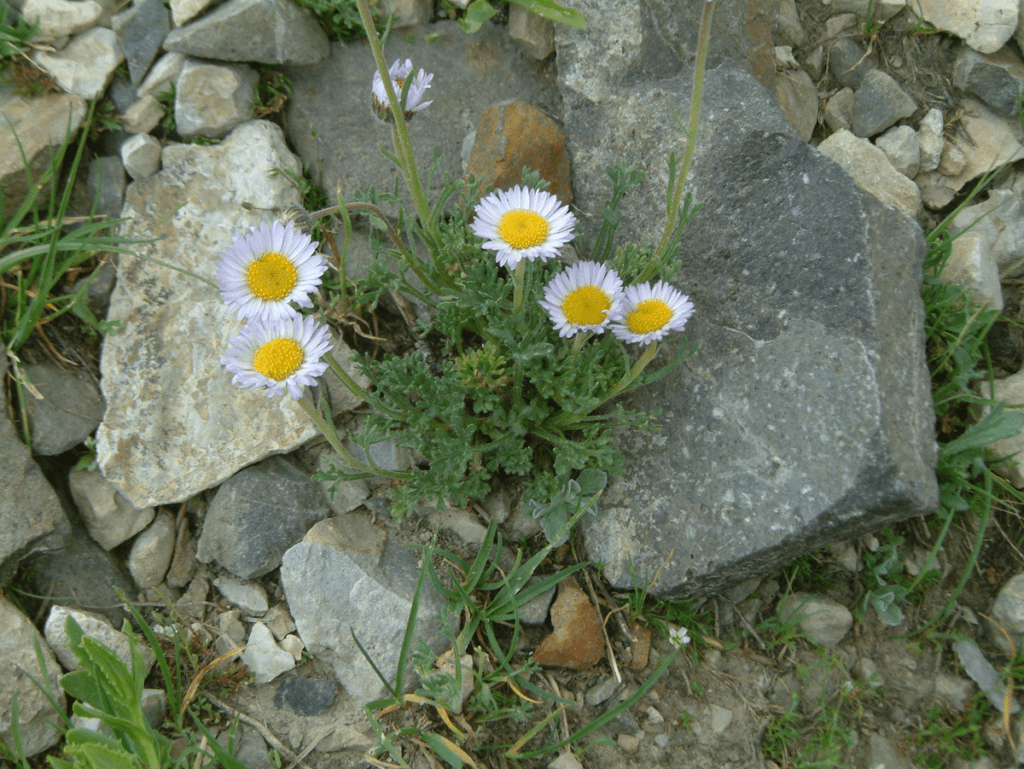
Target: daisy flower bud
(414, 99)
(523, 223)
(583, 297)
(262, 273)
(650, 312)
(279, 354)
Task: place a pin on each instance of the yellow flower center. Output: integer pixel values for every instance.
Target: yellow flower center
(400, 82)
(271, 277)
(522, 228)
(586, 306)
(649, 315)
(278, 359)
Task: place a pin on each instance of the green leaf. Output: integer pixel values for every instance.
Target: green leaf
(442, 750)
(110, 672)
(555, 525)
(80, 685)
(885, 603)
(476, 14)
(591, 481)
(552, 11)
(997, 425)
(92, 750)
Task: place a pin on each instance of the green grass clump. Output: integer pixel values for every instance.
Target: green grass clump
(110, 690)
(37, 252)
(13, 37)
(483, 610)
(340, 18)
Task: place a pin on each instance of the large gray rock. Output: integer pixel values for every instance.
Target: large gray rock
(142, 35)
(331, 127)
(211, 99)
(86, 65)
(69, 411)
(348, 577)
(995, 78)
(82, 574)
(805, 415)
(257, 515)
(18, 666)
(175, 424)
(31, 518)
(108, 515)
(267, 31)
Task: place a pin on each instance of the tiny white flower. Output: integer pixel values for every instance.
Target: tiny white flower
(261, 273)
(523, 223)
(414, 99)
(279, 354)
(650, 312)
(583, 297)
(678, 637)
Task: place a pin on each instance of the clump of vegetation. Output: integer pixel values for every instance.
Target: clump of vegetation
(339, 17)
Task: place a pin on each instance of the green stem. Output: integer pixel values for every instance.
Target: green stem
(676, 192)
(565, 419)
(518, 278)
(411, 261)
(638, 368)
(412, 175)
(579, 341)
(331, 434)
(349, 382)
(343, 258)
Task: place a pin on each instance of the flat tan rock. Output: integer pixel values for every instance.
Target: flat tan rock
(577, 642)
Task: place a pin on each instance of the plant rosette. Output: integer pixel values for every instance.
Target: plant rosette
(508, 378)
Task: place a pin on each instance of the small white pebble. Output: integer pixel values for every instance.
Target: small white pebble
(629, 743)
(654, 716)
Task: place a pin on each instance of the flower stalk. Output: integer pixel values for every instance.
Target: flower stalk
(566, 420)
(401, 131)
(411, 261)
(331, 434)
(675, 192)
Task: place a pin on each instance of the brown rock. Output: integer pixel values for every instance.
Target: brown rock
(641, 647)
(512, 136)
(577, 641)
(183, 564)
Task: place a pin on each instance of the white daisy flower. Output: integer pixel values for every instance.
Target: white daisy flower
(414, 99)
(583, 297)
(523, 223)
(278, 354)
(262, 273)
(650, 312)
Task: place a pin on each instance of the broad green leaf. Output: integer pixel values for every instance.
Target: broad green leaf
(551, 10)
(80, 685)
(555, 526)
(111, 673)
(997, 425)
(476, 14)
(92, 750)
(592, 480)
